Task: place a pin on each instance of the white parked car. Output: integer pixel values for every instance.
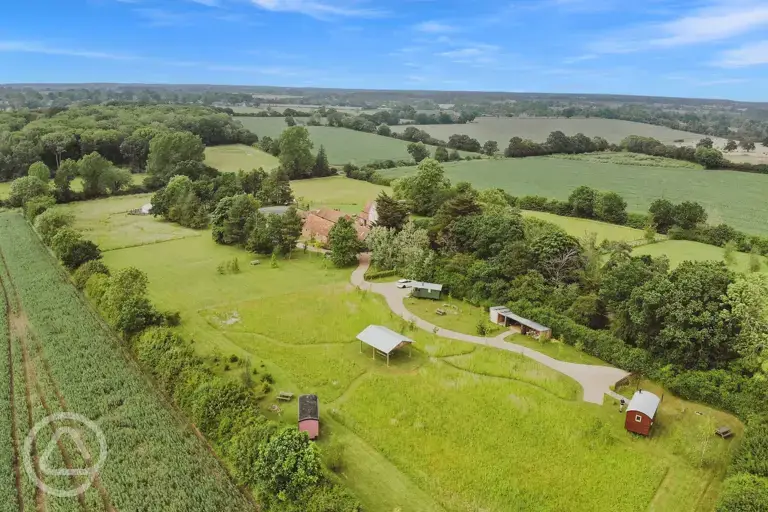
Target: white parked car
(402, 285)
(403, 281)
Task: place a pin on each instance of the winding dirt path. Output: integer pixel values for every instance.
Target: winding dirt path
(594, 380)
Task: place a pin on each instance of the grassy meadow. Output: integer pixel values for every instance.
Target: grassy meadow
(454, 426)
(582, 227)
(336, 192)
(736, 198)
(342, 145)
(234, 157)
(679, 251)
(459, 316)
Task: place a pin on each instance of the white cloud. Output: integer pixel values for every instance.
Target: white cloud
(477, 53)
(753, 54)
(41, 48)
(719, 20)
(580, 58)
(434, 27)
(317, 9)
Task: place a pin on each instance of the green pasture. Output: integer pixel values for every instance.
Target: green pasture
(342, 145)
(336, 192)
(77, 184)
(455, 426)
(736, 198)
(106, 222)
(583, 227)
(235, 157)
(501, 129)
(679, 251)
(625, 158)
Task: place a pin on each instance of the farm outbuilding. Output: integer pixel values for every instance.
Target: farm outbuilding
(309, 415)
(641, 412)
(501, 315)
(426, 290)
(383, 341)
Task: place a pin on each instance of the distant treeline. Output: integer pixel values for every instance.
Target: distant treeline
(120, 134)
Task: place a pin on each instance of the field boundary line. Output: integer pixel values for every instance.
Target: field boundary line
(150, 243)
(12, 401)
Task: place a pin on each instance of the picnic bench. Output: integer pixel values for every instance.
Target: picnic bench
(285, 396)
(440, 312)
(724, 432)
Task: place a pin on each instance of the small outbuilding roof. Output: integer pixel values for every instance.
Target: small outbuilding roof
(308, 408)
(505, 312)
(644, 402)
(383, 339)
(427, 286)
(147, 208)
(274, 210)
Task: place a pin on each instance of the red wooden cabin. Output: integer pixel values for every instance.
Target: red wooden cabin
(309, 415)
(641, 412)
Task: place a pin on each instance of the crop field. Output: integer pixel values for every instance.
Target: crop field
(61, 359)
(336, 192)
(235, 157)
(625, 158)
(77, 185)
(342, 145)
(736, 198)
(506, 421)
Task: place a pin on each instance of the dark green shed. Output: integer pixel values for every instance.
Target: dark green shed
(426, 290)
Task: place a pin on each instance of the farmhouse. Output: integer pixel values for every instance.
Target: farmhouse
(309, 415)
(426, 290)
(501, 315)
(641, 412)
(369, 216)
(383, 341)
(318, 223)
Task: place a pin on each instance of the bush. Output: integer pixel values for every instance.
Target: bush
(637, 220)
(37, 205)
(380, 274)
(743, 493)
(24, 189)
(752, 456)
(89, 268)
(70, 247)
(48, 223)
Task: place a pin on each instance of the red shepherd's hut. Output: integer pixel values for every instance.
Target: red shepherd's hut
(641, 412)
(309, 415)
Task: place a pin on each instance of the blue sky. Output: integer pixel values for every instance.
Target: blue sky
(692, 48)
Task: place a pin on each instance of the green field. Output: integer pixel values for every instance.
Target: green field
(342, 145)
(501, 129)
(681, 250)
(77, 185)
(583, 227)
(336, 192)
(736, 198)
(234, 157)
(459, 316)
(505, 420)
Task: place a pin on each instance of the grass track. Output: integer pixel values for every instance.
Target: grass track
(736, 198)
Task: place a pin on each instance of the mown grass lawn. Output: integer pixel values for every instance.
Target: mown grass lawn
(338, 192)
(736, 198)
(556, 350)
(459, 316)
(455, 426)
(235, 157)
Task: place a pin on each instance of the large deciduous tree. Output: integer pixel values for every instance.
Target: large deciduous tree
(288, 466)
(92, 169)
(662, 214)
(296, 152)
(689, 214)
(611, 207)
(343, 242)
(490, 148)
(68, 170)
(40, 171)
(25, 188)
(426, 190)
(166, 150)
(229, 219)
(748, 301)
(276, 189)
(418, 151)
(582, 201)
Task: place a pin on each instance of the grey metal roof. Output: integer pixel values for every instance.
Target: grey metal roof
(427, 286)
(644, 402)
(381, 338)
(503, 311)
(308, 408)
(275, 210)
